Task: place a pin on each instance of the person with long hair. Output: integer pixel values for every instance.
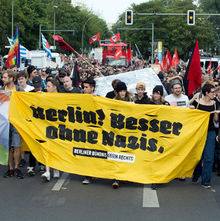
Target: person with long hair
(157, 99)
(204, 167)
(122, 93)
(157, 96)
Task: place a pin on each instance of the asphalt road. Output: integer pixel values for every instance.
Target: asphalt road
(67, 199)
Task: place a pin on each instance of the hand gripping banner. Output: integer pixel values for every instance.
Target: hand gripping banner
(99, 137)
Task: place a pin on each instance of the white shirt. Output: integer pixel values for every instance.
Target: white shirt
(180, 101)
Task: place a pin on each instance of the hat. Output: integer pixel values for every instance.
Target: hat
(158, 89)
(121, 86)
(141, 85)
(37, 81)
(30, 69)
(176, 81)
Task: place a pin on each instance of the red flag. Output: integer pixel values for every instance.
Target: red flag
(62, 43)
(210, 66)
(168, 60)
(157, 62)
(118, 53)
(163, 63)
(129, 54)
(175, 60)
(94, 38)
(192, 78)
(115, 38)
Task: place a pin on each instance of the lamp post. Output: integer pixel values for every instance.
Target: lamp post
(12, 18)
(54, 23)
(84, 28)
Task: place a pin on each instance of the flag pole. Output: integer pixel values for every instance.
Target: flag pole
(59, 39)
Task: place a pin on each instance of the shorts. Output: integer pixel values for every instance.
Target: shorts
(14, 137)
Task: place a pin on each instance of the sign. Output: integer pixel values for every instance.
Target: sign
(99, 137)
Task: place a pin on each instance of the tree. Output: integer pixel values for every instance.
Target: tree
(30, 14)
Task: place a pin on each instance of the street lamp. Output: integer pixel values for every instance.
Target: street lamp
(12, 18)
(54, 23)
(83, 30)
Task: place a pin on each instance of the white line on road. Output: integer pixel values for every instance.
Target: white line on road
(150, 197)
(60, 182)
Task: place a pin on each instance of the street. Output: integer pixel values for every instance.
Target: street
(67, 199)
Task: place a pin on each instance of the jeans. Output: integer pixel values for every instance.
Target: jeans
(204, 167)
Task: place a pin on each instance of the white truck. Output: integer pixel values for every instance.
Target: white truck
(39, 59)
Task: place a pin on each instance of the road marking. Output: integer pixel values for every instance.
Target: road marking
(150, 197)
(60, 182)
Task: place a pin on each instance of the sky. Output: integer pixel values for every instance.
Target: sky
(109, 10)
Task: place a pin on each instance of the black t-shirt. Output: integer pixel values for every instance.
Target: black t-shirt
(208, 108)
(110, 95)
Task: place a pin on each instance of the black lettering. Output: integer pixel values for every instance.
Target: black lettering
(161, 149)
(61, 115)
(152, 145)
(143, 124)
(92, 137)
(176, 128)
(101, 116)
(51, 132)
(132, 143)
(38, 112)
(71, 114)
(51, 114)
(165, 127)
(120, 141)
(79, 135)
(130, 123)
(143, 142)
(79, 115)
(107, 138)
(65, 133)
(117, 121)
(154, 126)
(89, 117)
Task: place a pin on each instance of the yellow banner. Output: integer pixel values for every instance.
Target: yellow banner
(99, 137)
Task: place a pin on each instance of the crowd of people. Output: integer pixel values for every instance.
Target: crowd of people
(77, 76)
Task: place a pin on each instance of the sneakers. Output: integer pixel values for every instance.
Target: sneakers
(19, 174)
(56, 173)
(86, 180)
(9, 173)
(153, 186)
(30, 171)
(115, 184)
(206, 186)
(42, 168)
(46, 176)
(22, 162)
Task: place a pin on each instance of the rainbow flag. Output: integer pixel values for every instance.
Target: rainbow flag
(4, 126)
(14, 52)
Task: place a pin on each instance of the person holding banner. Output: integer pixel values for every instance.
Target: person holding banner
(88, 88)
(9, 78)
(52, 87)
(124, 95)
(204, 167)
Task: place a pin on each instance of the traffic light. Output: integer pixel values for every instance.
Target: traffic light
(191, 17)
(129, 17)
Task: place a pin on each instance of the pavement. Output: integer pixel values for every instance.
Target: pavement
(67, 198)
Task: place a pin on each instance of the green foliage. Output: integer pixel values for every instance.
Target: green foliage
(30, 14)
(172, 30)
